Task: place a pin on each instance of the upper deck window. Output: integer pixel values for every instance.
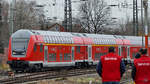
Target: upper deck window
(78, 49)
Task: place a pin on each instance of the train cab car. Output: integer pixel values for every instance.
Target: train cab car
(19, 46)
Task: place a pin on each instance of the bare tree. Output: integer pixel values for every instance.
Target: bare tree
(26, 16)
(126, 28)
(95, 14)
(4, 28)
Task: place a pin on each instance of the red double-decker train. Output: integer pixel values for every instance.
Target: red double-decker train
(36, 49)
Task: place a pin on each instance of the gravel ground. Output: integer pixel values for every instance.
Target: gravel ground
(83, 79)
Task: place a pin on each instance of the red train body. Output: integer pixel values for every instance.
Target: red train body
(35, 49)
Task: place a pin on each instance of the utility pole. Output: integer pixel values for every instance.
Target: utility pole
(68, 16)
(11, 15)
(142, 23)
(145, 5)
(1, 42)
(135, 18)
(0, 12)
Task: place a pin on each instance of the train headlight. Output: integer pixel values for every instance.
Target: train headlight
(14, 53)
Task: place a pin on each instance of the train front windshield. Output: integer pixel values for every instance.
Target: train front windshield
(19, 47)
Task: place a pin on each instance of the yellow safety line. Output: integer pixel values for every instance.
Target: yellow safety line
(60, 44)
(106, 45)
(74, 45)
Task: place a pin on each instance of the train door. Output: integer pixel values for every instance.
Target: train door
(45, 53)
(73, 53)
(134, 51)
(81, 53)
(84, 52)
(89, 53)
(124, 52)
(128, 54)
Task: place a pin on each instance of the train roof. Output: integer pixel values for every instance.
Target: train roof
(22, 34)
(70, 37)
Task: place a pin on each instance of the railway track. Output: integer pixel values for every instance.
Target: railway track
(46, 75)
(28, 77)
(129, 81)
(127, 77)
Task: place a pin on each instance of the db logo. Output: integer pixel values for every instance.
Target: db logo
(18, 58)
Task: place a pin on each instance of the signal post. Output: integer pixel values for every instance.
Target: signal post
(145, 5)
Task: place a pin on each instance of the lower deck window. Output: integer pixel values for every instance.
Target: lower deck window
(133, 55)
(52, 57)
(98, 55)
(67, 56)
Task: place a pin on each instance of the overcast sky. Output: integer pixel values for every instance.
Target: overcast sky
(55, 8)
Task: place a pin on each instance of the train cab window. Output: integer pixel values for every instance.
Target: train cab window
(78, 49)
(52, 57)
(67, 56)
(35, 48)
(41, 48)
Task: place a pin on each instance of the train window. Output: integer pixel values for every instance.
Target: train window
(67, 56)
(128, 51)
(123, 49)
(61, 57)
(97, 56)
(98, 49)
(133, 55)
(119, 52)
(86, 49)
(72, 53)
(52, 57)
(89, 51)
(41, 48)
(78, 49)
(45, 53)
(35, 47)
(104, 48)
(102, 54)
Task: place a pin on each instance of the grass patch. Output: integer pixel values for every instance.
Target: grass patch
(4, 67)
(85, 80)
(60, 79)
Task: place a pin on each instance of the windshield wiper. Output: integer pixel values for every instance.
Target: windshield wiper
(19, 51)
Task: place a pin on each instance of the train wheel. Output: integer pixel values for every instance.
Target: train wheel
(79, 65)
(38, 67)
(87, 65)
